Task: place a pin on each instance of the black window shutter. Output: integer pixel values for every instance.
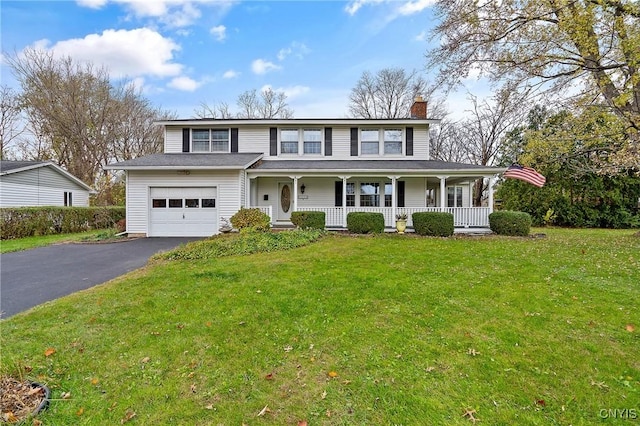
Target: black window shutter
(273, 141)
(328, 141)
(338, 193)
(186, 133)
(409, 140)
(234, 140)
(400, 194)
(354, 141)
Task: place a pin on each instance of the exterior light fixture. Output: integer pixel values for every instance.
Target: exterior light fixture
(302, 188)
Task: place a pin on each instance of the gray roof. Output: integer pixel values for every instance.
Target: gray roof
(373, 165)
(7, 165)
(189, 161)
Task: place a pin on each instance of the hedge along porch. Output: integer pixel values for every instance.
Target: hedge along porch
(340, 187)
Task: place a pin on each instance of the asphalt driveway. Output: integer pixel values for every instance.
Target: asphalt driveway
(29, 278)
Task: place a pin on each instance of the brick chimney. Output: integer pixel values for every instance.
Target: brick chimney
(419, 108)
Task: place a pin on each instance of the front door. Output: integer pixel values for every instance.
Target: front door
(285, 201)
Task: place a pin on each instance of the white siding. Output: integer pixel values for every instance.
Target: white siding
(420, 143)
(173, 139)
(41, 186)
(254, 139)
(138, 183)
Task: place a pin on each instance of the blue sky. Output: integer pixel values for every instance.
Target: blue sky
(182, 53)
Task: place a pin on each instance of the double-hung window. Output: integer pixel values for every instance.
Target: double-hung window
(392, 141)
(369, 142)
(289, 141)
(370, 194)
(351, 194)
(312, 141)
(454, 196)
(210, 140)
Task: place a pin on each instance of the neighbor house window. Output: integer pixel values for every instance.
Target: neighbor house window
(370, 194)
(210, 140)
(289, 141)
(369, 142)
(312, 141)
(393, 141)
(351, 194)
(454, 196)
(68, 199)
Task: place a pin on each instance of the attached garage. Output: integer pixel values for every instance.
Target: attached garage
(183, 211)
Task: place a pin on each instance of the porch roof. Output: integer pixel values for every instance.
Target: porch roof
(177, 161)
(372, 166)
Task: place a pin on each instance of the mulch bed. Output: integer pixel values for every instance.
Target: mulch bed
(18, 399)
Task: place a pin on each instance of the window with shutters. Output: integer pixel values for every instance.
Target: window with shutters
(210, 140)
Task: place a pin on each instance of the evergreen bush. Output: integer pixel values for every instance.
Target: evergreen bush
(365, 223)
(308, 220)
(507, 222)
(435, 224)
(251, 219)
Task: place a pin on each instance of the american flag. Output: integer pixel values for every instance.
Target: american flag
(527, 174)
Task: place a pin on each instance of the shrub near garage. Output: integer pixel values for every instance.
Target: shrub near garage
(308, 220)
(510, 223)
(365, 223)
(253, 219)
(435, 224)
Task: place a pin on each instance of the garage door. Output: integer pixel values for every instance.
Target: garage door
(183, 212)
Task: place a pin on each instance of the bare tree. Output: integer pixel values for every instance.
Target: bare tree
(218, 110)
(78, 118)
(446, 142)
(387, 94)
(11, 125)
(265, 104)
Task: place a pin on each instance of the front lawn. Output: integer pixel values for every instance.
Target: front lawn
(18, 244)
(351, 331)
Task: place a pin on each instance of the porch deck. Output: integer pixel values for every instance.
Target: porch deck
(464, 218)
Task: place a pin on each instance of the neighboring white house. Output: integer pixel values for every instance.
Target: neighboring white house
(211, 168)
(40, 183)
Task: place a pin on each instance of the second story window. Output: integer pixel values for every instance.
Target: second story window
(289, 141)
(393, 141)
(210, 140)
(312, 140)
(369, 142)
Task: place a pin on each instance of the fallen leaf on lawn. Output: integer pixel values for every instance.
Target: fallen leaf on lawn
(145, 360)
(630, 328)
(128, 416)
(9, 417)
(324, 395)
(94, 381)
(269, 376)
(288, 348)
(328, 413)
(429, 369)
(180, 326)
(36, 422)
(302, 423)
(80, 411)
(470, 413)
(541, 403)
(193, 387)
(472, 352)
(49, 352)
(208, 324)
(65, 395)
(209, 407)
(346, 382)
(333, 374)
(264, 411)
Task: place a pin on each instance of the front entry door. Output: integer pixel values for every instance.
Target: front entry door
(285, 201)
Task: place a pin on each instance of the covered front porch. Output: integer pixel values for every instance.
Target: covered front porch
(279, 193)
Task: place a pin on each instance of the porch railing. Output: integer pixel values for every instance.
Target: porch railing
(467, 217)
(268, 210)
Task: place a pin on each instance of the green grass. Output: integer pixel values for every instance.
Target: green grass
(7, 246)
(418, 330)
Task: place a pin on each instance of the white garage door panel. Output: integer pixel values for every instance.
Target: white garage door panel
(179, 212)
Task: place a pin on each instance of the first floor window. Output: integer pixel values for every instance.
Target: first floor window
(68, 199)
(454, 196)
(387, 195)
(289, 141)
(312, 141)
(393, 141)
(370, 194)
(369, 142)
(351, 194)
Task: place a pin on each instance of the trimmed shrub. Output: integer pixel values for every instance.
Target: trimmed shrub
(365, 223)
(507, 222)
(308, 220)
(23, 222)
(251, 219)
(434, 224)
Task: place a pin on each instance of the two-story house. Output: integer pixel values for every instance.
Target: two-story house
(211, 168)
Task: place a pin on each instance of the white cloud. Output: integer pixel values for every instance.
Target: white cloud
(297, 49)
(417, 6)
(353, 6)
(421, 37)
(231, 74)
(260, 66)
(291, 92)
(129, 53)
(184, 83)
(93, 4)
(219, 32)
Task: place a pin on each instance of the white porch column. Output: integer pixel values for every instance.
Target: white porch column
(443, 190)
(491, 182)
(394, 197)
(344, 201)
(295, 193)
